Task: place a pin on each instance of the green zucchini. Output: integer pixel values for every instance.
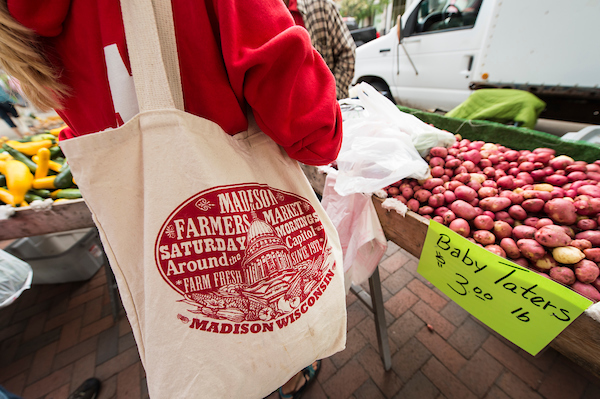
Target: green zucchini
(29, 197)
(2, 180)
(64, 178)
(67, 193)
(55, 152)
(40, 192)
(19, 156)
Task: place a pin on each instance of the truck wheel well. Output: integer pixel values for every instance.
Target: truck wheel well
(379, 84)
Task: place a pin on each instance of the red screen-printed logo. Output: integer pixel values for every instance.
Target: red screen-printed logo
(245, 258)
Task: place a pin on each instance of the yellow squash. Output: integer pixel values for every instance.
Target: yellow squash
(19, 179)
(43, 156)
(52, 165)
(44, 182)
(6, 197)
(31, 147)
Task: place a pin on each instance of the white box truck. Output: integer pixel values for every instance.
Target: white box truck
(442, 50)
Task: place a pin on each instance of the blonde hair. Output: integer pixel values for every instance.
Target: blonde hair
(22, 57)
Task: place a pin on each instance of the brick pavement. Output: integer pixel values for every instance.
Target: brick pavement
(55, 336)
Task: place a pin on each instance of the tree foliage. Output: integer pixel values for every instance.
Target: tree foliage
(362, 9)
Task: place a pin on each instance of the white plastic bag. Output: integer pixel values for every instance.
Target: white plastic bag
(423, 136)
(375, 151)
(15, 277)
(362, 238)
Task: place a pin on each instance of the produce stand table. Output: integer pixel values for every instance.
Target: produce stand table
(65, 216)
(580, 341)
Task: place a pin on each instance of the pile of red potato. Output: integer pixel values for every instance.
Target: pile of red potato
(537, 209)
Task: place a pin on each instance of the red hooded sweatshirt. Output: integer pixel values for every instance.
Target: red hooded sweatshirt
(232, 54)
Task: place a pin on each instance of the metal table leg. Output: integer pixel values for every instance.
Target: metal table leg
(375, 304)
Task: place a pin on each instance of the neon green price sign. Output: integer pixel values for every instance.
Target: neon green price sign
(524, 307)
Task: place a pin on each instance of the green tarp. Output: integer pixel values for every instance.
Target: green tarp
(501, 105)
(513, 137)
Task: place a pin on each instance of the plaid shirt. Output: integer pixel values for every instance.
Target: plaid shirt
(332, 39)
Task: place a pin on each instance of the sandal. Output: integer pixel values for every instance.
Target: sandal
(310, 375)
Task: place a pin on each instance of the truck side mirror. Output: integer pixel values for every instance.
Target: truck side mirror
(399, 28)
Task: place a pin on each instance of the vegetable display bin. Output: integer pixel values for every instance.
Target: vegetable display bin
(62, 257)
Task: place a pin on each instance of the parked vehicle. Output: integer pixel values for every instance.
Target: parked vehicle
(441, 50)
(360, 35)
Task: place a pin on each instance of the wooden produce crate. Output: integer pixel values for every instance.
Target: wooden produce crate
(63, 216)
(580, 341)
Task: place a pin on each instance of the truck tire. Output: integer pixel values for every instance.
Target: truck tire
(383, 88)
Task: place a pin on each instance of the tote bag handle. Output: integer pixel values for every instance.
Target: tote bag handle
(150, 34)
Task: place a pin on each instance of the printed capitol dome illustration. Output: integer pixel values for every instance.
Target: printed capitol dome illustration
(246, 254)
(265, 253)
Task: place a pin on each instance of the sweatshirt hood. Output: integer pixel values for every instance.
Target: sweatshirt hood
(44, 17)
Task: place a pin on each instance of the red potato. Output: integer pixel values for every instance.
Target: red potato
(448, 217)
(485, 163)
(429, 184)
(473, 156)
(581, 245)
(538, 175)
(526, 177)
(463, 210)
(506, 182)
(586, 290)
(587, 224)
(514, 197)
(440, 211)
(561, 211)
(575, 176)
(436, 161)
(436, 200)
(453, 163)
(543, 222)
(425, 210)
(413, 205)
(438, 219)
(517, 212)
(557, 180)
(462, 177)
(596, 284)
(561, 162)
(586, 206)
(460, 226)
(502, 229)
(534, 205)
(592, 236)
(504, 216)
(590, 190)
(544, 150)
(393, 191)
(485, 192)
(531, 221)
(449, 196)
(422, 195)
(546, 262)
(401, 199)
(531, 249)
(526, 166)
(494, 204)
(523, 231)
(511, 155)
(437, 171)
(490, 214)
(496, 249)
(483, 222)
(484, 237)
(510, 247)
(563, 275)
(452, 185)
(586, 271)
(475, 185)
(407, 192)
(465, 193)
(549, 237)
(489, 183)
(592, 254)
(439, 152)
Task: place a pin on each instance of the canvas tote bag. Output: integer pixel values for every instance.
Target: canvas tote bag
(228, 267)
